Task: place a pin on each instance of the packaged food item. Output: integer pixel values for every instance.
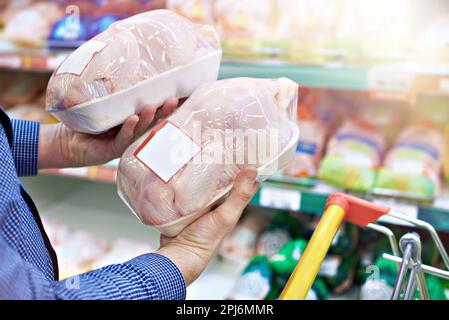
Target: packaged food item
(285, 260)
(283, 228)
(57, 231)
(68, 34)
(309, 150)
(32, 113)
(22, 89)
(353, 155)
(196, 10)
(240, 245)
(139, 61)
(172, 175)
(338, 272)
(78, 252)
(345, 240)
(122, 250)
(414, 165)
(446, 153)
(31, 25)
(380, 285)
(255, 281)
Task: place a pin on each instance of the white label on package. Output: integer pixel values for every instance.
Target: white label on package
(166, 151)
(77, 62)
(280, 198)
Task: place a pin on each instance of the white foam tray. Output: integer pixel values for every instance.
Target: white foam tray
(102, 114)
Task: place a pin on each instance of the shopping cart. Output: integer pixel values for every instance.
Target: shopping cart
(341, 207)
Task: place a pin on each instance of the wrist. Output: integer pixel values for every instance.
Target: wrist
(190, 263)
(54, 147)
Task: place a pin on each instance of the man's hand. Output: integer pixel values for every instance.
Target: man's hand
(194, 247)
(60, 147)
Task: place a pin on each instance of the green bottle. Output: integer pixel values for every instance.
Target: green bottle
(285, 260)
(281, 229)
(282, 265)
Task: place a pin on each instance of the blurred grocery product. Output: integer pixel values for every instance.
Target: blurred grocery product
(121, 250)
(31, 25)
(285, 260)
(353, 155)
(338, 272)
(380, 285)
(240, 245)
(281, 229)
(171, 197)
(78, 252)
(255, 281)
(31, 112)
(310, 145)
(446, 153)
(57, 231)
(414, 165)
(196, 10)
(22, 88)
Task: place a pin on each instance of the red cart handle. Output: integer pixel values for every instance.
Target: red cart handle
(357, 211)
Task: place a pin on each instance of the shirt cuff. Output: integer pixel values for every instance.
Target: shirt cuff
(165, 274)
(25, 146)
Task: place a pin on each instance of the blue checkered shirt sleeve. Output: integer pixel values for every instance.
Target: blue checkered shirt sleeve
(146, 277)
(25, 146)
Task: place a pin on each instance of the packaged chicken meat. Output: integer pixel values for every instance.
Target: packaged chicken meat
(414, 165)
(173, 174)
(309, 151)
(353, 155)
(30, 25)
(139, 61)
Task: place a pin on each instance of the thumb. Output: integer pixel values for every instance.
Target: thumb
(245, 186)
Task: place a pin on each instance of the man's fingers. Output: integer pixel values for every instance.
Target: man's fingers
(169, 106)
(245, 186)
(146, 118)
(126, 134)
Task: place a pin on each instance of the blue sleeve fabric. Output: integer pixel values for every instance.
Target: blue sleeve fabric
(25, 146)
(149, 276)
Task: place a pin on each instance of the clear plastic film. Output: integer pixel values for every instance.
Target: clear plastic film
(414, 165)
(173, 174)
(120, 62)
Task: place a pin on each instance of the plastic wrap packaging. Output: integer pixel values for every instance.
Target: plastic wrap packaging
(353, 155)
(139, 61)
(172, 175)
(414, 165)
(310, 147)
(30, 25)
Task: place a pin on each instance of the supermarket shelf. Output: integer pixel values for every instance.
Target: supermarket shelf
(304, 195)
(333, 77)
(391, 82)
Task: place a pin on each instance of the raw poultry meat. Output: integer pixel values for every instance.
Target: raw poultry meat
(128, 52)
(214, 117)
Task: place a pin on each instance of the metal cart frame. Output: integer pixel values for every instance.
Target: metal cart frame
(342, 207)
